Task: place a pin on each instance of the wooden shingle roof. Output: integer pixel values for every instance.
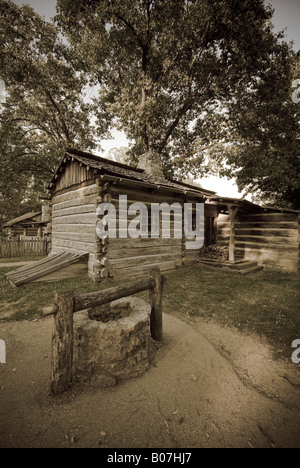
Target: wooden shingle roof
(123, 171)
(22, 218)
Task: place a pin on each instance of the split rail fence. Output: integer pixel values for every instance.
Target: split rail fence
(16, 247)
(66, 304)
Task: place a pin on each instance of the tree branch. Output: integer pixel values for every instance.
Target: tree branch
(65, 128)
(172, 127)
(131, 28)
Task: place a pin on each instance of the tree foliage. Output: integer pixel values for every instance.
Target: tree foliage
(44, 111)
(183, 78)
(257, 141)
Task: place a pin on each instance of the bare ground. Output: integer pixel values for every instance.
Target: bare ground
(209, 386)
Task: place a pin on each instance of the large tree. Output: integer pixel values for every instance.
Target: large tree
(164, 65)
(256, 139)
(44, 111)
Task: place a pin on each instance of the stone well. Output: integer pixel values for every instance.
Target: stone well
(113, 343)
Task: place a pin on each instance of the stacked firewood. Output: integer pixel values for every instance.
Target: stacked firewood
(214, 252)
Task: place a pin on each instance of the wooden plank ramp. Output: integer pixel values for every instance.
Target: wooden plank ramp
(42, 268)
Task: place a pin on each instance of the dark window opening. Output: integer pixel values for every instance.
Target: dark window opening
(210, 231)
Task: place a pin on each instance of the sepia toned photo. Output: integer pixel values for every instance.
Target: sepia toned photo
(149, 226)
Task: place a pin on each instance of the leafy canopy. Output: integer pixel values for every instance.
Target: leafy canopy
(44, 111)
(183, 78)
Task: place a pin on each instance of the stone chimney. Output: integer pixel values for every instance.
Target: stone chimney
(46, 213)
(152, 164)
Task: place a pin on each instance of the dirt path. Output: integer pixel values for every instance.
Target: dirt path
(209, 387)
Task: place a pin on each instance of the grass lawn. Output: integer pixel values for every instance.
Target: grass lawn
(266, 303)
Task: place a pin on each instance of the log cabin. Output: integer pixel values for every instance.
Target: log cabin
(84, 181)
(255, 236)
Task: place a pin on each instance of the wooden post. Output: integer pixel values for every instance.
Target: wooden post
(156, 305)
(62, 344)
(233, 210)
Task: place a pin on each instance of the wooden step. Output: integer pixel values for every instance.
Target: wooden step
(241, 267)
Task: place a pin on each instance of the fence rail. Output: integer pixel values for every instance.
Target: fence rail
(66, 304)
(16, 247)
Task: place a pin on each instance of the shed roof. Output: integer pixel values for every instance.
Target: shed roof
(24, 217)
(247, 205)
(129, 173)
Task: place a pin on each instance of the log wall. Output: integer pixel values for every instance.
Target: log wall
(77, 194)
(135, 257)
(74, 221)
(271, 239)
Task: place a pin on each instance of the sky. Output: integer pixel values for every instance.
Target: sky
(286, 16)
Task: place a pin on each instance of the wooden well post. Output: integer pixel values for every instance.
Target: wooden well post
(62, 344)
(156, 305)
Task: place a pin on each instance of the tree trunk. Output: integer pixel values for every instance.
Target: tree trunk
(62, 344)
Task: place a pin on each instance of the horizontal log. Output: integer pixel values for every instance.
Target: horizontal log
(77, 202)
(139, 243)
(79, 237)
(75, 245)
(262, 239)
(269, 217)
(262, 232)
(88, 301)
(258, 246)
(89, 218)
(143, 195)
(268, 225)
(143, 260)
(82, 209)
(268, 240)
(96, 299)
(269, 233)
(116, 253)
(74, 193)
(74, 228)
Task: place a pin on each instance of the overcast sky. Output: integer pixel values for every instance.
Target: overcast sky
(286, 16)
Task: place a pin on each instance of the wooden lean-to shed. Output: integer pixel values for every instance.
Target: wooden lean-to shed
(268, 236)
(26, 226)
